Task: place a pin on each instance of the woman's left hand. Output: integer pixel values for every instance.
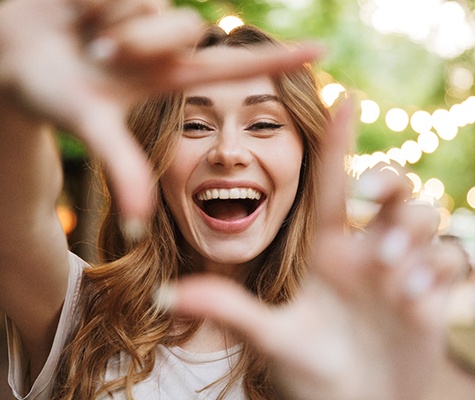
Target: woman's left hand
(369, 322)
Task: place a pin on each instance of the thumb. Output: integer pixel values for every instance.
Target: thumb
(224, 301)
(105, 132)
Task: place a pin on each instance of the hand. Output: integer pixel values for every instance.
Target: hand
(367, 323)
(82, 64)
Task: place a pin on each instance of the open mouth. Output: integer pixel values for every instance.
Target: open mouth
(229, 204)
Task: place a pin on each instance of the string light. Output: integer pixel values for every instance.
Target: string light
(412, 151)
(230, 22)
(445, 122)
(421, 121)
(397, 119)
(428, 142)
(435, 188)
(471, 197)
(369, 111)
(416, 182)
(331, 92)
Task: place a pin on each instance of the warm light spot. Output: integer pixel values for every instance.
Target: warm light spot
(428, 142)
(461, 78)
(331, 92)
(445, 219)
(379, 157)
(416, 181)
(444, 123)
(359, 164)
(369, 111)
(447, 202)
(228, 23)
(397, 119)
(421, 121)
(67, 217)
(464, 113)
(411, 151)
(435, 188)
(471, 197)
(397, 155)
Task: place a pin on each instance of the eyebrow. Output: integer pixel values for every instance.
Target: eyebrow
(260, 98)
(248, 101)
(199, 101)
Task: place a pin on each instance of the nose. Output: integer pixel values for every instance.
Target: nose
(229, 150)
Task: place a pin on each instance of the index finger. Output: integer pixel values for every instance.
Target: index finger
(332, 192)
(224, 63)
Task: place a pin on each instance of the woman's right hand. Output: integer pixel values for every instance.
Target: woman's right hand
(82, 64)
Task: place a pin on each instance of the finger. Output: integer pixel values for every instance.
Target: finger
(424, 283)
(155, 35)
(226, 302)
(332, 194)
(408, 226)
(104, 130)
(224, 63)
(387, 187)
(105, 13)
(450, 261)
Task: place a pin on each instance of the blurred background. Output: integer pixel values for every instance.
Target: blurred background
(410, 66)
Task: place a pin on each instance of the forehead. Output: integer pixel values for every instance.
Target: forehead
(235, 90)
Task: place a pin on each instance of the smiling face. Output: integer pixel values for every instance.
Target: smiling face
(235, 173)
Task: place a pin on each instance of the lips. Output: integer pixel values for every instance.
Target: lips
(229, 204)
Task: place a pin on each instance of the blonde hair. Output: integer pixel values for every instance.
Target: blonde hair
(117, 313)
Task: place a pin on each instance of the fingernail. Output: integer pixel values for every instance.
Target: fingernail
(102, 49)
(393, 247)
(420, 280)
(133, 229)
(165, 297)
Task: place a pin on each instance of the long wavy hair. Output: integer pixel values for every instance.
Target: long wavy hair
(117, 313)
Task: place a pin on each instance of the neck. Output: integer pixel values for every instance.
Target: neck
(209, 337)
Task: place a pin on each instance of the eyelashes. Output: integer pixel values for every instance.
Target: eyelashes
(194, 126)
(264, 125)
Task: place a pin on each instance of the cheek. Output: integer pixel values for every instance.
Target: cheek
(287, 164)
(178, 173)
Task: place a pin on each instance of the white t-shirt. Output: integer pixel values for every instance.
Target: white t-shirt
(177, 375)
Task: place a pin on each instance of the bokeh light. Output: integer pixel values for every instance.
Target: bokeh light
(421, 121)
(416, 182)
(471, 197)
(435, 188)
(428, 142)
(397, 119)
(411, 151)
(369, 111)
(331, 92)
(230, 22)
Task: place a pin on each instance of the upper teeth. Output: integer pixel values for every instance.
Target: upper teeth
(224, 194)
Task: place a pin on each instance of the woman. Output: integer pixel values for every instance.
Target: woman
(234, 194)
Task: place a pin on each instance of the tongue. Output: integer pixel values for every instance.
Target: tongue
(227, 210)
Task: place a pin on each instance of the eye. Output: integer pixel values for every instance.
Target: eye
(264, 128)
(196, 129)
(264, 125)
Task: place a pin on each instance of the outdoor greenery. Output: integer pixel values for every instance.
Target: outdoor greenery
(387, 68)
